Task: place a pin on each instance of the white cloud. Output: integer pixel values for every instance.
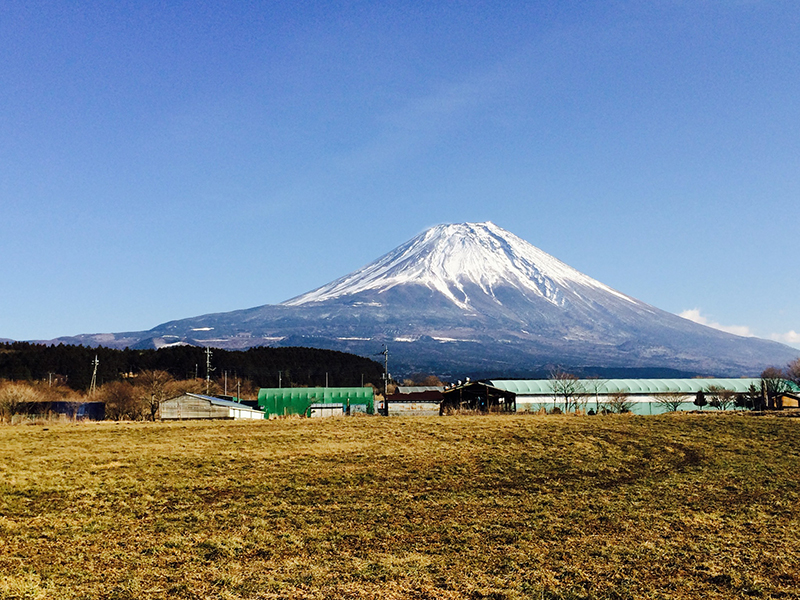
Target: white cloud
(694, 315)
(791, 337)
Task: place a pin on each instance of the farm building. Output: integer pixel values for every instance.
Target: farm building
(198, 406)
(478, 396)
(297, 401)
(418, 403)
(789, 400)
(644, 396)
(334, 409)
(60, 409)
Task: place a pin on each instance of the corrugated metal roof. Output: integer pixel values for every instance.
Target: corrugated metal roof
(416, 389)
(428, 396)
(543, 387)
(220, 402)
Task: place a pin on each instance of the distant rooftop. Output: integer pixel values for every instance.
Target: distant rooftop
(416, 389)
(220, 402)
(544, 387)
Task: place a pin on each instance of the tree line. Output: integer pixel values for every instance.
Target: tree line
(72, 366)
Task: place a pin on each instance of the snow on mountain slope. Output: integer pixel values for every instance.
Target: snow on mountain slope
(448, 258)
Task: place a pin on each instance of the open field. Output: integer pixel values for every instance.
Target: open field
(676, 506)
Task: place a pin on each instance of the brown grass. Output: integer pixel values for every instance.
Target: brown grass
(677, 506)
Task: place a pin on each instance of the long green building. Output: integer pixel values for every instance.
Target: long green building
(298, 401)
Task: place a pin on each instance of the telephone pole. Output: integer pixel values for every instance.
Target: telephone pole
(93, 386)
(209, 368)
(385, 354)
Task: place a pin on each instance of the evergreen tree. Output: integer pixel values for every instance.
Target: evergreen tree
(700, 400)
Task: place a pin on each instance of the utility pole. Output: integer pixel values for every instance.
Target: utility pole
(385, 380)
(279, 379)
(226, 383)
(93, 386)
(209, 368)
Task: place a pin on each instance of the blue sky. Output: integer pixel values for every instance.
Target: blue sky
(165, 160)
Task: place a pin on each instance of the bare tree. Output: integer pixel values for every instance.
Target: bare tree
(121, 401)
(670, 401)
(720, 398)
(568, 389)
(726, 399)
(619, 403)
(14, 397)
(152, 389)
(752, 399)
(773, 385)
(711, 393)
(190, 386)
(245, 388)
(595, 385)
(422, 379)
(793, 371)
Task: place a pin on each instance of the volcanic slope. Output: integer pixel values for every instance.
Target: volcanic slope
(474, 298)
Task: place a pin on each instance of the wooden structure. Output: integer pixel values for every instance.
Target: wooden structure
(420, 404)
(789, 400)
(479, 397)
(198, 406)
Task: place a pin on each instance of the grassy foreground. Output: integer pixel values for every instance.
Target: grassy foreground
(677, 506)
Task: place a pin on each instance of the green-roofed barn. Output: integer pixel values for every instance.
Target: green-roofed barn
(645, 396)
(279, 402)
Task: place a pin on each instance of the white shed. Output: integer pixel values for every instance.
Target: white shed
(198, 406)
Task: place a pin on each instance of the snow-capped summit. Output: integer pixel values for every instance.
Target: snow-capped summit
(451, 258)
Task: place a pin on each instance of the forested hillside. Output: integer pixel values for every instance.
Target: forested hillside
(73, 366)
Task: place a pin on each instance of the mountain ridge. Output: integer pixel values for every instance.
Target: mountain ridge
(473, 298)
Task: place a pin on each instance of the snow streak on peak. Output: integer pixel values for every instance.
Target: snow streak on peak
(447, 258)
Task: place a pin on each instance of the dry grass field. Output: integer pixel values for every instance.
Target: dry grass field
(677, 506)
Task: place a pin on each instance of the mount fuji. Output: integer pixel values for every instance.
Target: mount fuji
(472, 298)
